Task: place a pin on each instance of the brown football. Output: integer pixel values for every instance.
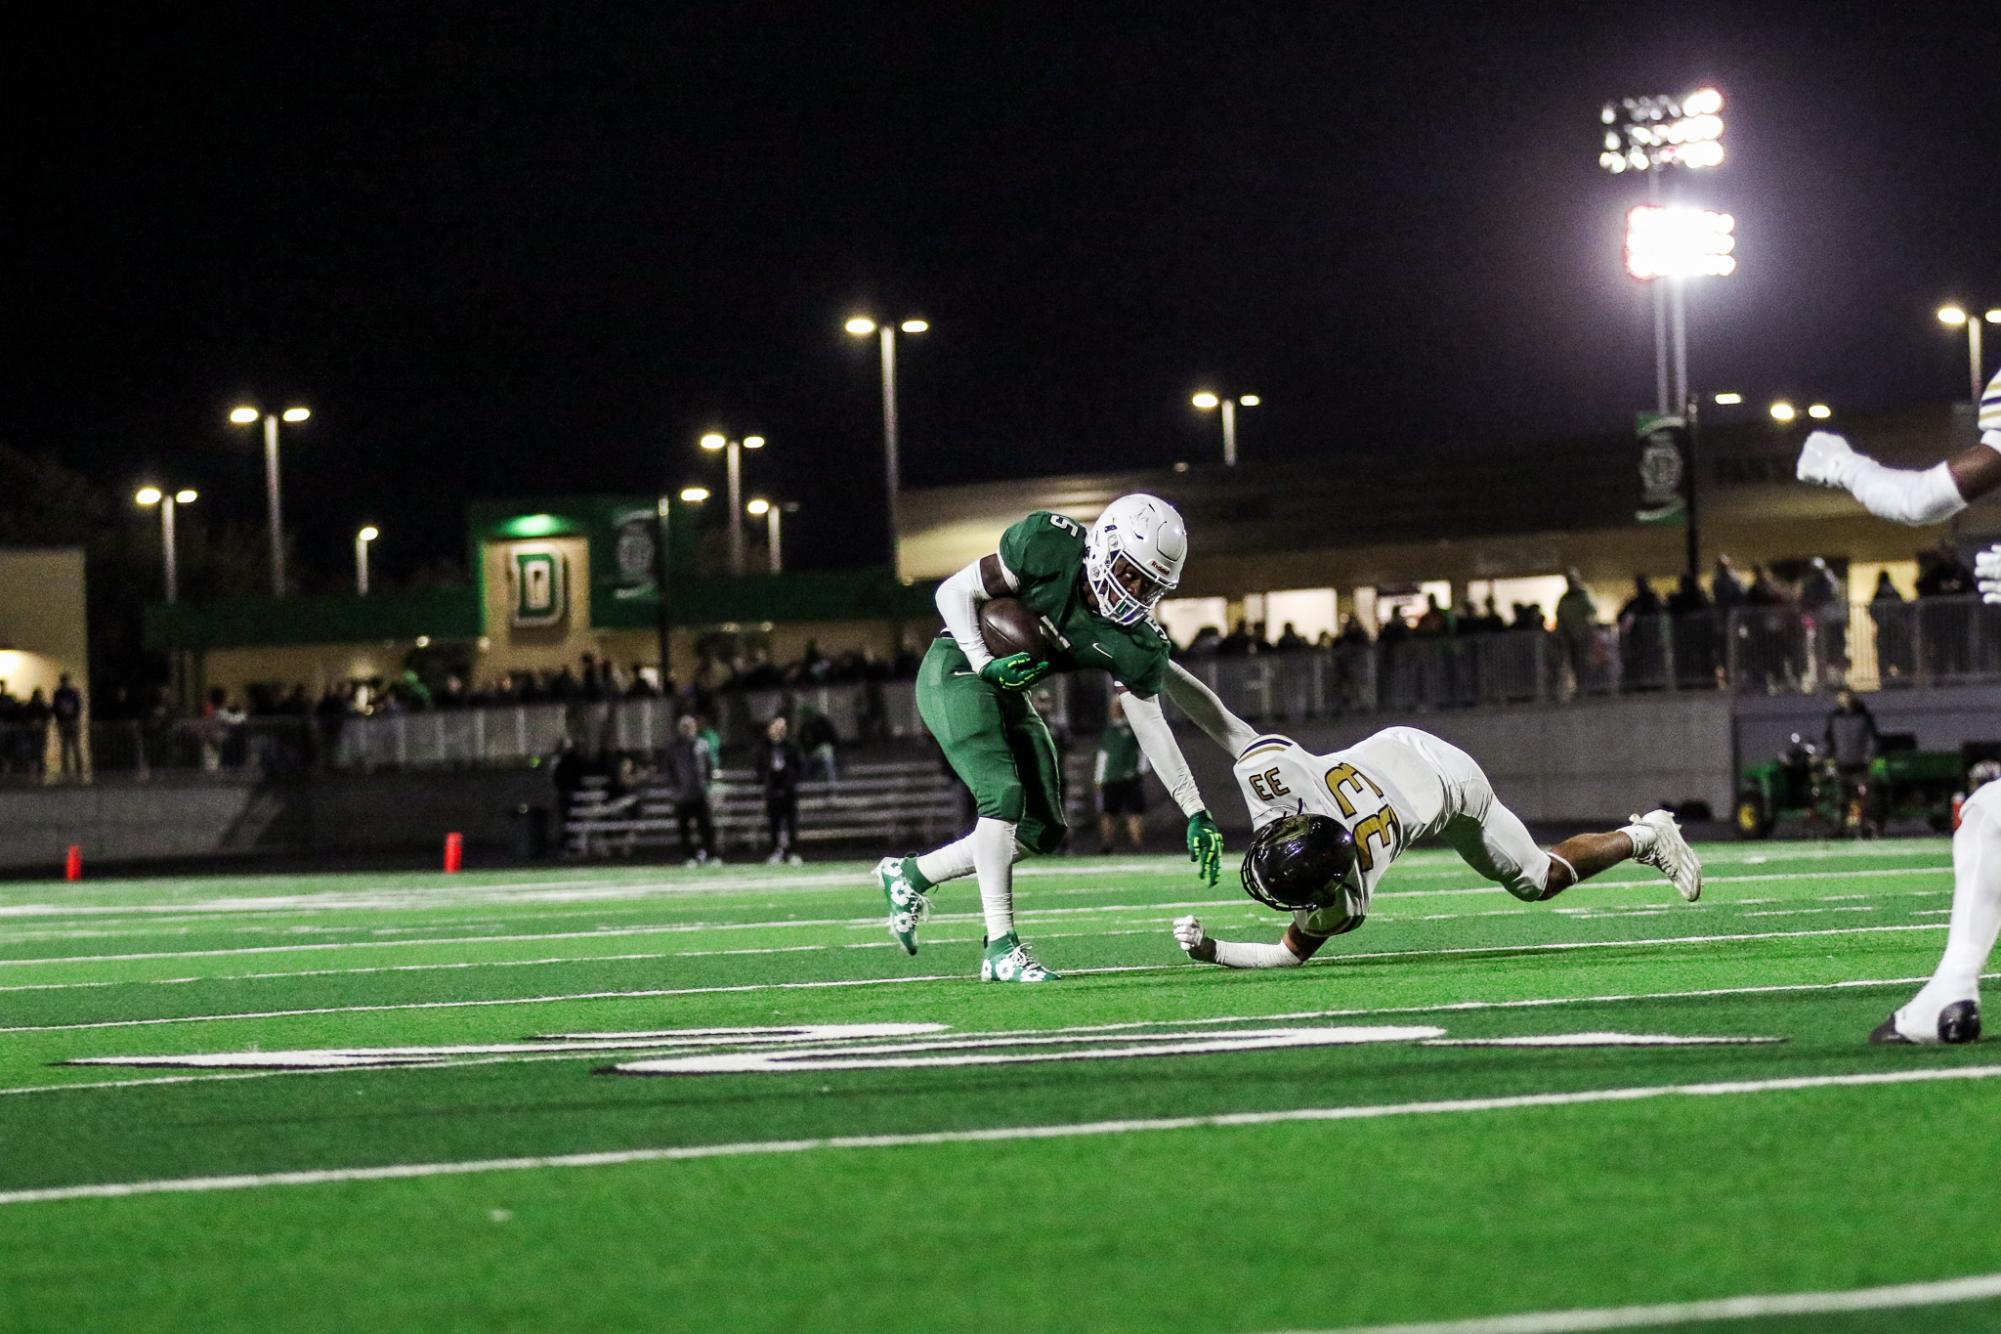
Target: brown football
(1008, 626)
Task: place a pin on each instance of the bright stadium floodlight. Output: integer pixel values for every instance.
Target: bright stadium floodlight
(243, 416)
(168, 501)
(1954, 315)
(148, 496)
(1820, 412)
(714, 440)
(1205, 401)
(1649, 133)
(757, 507)
(1783, 411)
(733, 470)
(248, 415)
(861, 326)
(296, 414)
(1671, 242)
(694, 495)
(187, 495)
(915, 326)
(1727, 399)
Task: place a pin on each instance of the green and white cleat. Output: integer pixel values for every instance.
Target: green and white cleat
(1008, 960)
(907, 904)
(1668, 852)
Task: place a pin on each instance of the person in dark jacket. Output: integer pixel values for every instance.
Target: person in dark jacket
(689, 769)
(1852, 743)
(779, 764)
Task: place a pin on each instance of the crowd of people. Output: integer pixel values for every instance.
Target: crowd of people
(31, 728)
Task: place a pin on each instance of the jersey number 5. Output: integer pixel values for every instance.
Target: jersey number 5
(1068, 525)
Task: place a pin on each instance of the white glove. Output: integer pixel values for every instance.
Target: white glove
(1987, 571)
(1188, 934)
(1826, 458)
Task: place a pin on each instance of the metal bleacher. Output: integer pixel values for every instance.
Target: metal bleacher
(891, 803)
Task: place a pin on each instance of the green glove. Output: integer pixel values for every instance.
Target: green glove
(1205, 846)
(1017, 671)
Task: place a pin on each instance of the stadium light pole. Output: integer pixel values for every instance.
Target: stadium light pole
(733, 450)
(773, 513)
(1677, 244)
(861, 326)
(1649, 135)
(250, 416)
(361, 540)
(1953, 315)
(168, 501)
(1207, 401)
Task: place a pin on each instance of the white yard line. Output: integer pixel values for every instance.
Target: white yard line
(1335, 961)
(1539, 1002)
(1896, 1297)
(1000, 1134)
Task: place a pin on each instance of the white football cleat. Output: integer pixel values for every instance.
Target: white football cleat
(1662, 847)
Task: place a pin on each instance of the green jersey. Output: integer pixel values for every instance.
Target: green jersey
(1045, 554)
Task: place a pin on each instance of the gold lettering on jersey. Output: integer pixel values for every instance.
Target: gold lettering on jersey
(1348, 776)
(1383, 826)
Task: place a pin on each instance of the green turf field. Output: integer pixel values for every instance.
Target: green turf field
(1148, 1144)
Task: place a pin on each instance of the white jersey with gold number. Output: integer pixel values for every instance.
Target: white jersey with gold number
(1390, 790)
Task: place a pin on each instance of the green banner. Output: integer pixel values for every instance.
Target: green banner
(1663, 469)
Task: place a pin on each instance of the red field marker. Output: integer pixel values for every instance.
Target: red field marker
(73, 863)
(455, 847)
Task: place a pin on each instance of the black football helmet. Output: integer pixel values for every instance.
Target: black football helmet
(1299, 862)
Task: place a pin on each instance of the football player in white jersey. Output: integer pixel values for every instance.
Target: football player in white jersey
(1329, 826)
(1948, 1007)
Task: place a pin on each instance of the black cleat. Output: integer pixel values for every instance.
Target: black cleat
(1885, 1034)
(1959, 1022)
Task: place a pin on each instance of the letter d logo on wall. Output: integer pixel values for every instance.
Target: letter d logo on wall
(539, 584)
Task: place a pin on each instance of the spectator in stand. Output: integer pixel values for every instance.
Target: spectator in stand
(1577, 628)
(1852, 742)
(779, 765)
(640, 688)
(819, 740)
(1208, 641)
(1642, 661)
(33, 721)
(1693, 625)
(1118, 773)
(66, 707)
(1235, 644)
(1826, 605)
(1434, 620)
(1892, 620)
(689, 769)
(1289, 639)
(566, 775)
(1943, 629)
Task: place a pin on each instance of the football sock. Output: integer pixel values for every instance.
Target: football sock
(1642, 836)
(994, 856)
(947, 863)
(1976, 918)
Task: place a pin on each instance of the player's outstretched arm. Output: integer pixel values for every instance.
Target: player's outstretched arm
(1205, 710)
(1295, 949)
(1163, 752)
(1914, 496)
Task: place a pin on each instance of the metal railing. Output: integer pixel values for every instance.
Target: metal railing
(1760, 650)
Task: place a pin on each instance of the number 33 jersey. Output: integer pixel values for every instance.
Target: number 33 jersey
(1388, 790)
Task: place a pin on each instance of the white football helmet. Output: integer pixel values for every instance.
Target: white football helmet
(1133, 556)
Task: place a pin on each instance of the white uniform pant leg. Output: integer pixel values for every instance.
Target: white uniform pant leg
(1488, 836)
(1976, 912)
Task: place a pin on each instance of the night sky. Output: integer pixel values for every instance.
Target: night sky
(510, 250)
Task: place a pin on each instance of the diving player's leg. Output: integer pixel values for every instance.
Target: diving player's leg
(1493, 840)
(1948, 1008)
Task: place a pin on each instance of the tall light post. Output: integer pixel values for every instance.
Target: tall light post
(168, 501)
(249, 416)
(773, 513)
(361, 541)
(1648, 135)
(733, 450)
(1205, 401)
(1954, 315)
(861, 326)
(1677, 244)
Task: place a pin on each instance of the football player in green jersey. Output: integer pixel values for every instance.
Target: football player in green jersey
(1097, 589)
